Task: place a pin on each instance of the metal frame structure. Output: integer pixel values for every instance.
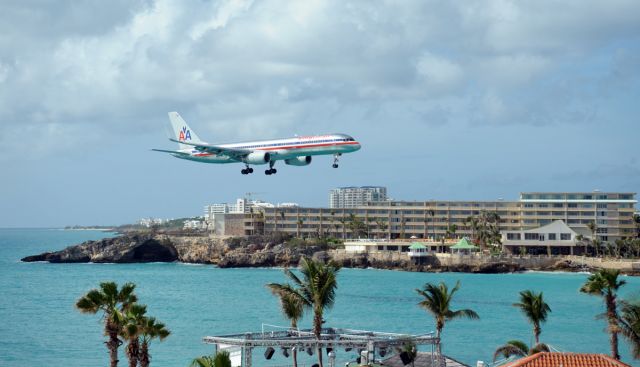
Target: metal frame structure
(370, 341)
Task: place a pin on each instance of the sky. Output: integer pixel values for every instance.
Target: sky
(451, 100)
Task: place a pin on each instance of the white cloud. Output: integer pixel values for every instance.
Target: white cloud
(438, 71)
(273, 66)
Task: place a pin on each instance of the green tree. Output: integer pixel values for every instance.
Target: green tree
(221, 359)
(474, 224)
(518, 348)
(356, 226)
(292, 308)
(382, 226)
(636, 221)
(316, 290)
(151, 329)
(605, 284)
(437, 302)
(299, 224)
(451, 231)
(630, 325)
(593, 228)
(432, 214)
(489, 229)
(112, 302)
(535, 309)
(132, 328)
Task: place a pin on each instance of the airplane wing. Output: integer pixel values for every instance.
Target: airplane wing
(170, 151)
(232, 153)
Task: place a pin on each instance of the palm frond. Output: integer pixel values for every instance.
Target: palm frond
(466, 313)
(511, 348)
(540, 347)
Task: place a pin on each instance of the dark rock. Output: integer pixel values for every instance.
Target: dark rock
(123, 249)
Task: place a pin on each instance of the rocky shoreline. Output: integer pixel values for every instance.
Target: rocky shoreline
(259, 252)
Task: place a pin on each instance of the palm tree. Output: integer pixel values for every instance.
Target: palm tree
(630, 325)
(451, 231)
(221, 359)
(382, 226)
(112, 302)
(134, 322)
(151, 329)
(292, 308)
(535, 309)
(437, 302)
(474, 224)
(518, 348)
(593, 228)
(605, 284)
(432, 213)
(316, 290)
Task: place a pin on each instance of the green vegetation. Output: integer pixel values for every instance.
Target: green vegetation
(316, 290)
(630, 325)
(221, 359)
(437, 302)
(151, 329)
(292, 308)
(123, 317)
(485, 230)
(518, 348)
(112, 302)
(605, 284)
(536, 310)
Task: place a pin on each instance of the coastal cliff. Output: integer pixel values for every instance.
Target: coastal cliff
(266, 251)
(141, 248)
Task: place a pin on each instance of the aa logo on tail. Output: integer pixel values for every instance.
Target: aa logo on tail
(185, 134)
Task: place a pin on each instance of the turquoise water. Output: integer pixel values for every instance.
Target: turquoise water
(40, 323)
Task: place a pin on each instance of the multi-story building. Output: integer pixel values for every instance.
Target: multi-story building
(612, 214)
(352, 197)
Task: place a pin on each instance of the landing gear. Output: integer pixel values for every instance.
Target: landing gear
(246, 171)
(335, 160)
(271, 170)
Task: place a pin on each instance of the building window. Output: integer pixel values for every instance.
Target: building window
(531, 236)
(513, 236)
(565, 236)
(551, 236)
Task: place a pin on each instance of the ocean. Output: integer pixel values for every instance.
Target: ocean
(40, 325)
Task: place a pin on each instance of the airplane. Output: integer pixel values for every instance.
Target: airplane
(296, 151)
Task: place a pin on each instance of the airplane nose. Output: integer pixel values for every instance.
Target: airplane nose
(358, 146)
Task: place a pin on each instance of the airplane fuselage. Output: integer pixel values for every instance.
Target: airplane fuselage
(283, 149)
(296, 151)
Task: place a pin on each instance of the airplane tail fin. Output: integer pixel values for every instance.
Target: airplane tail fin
(182, 131)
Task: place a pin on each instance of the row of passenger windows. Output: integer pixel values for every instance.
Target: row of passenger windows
(296, 143)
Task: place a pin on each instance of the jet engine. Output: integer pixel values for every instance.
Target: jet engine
(257, 158)
(298, 161)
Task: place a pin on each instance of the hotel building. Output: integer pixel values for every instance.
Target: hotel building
(353, 197)
(611, 212)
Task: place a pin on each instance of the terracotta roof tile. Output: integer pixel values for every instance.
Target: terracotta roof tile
(550, 359)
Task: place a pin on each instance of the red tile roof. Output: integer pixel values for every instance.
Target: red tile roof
(552, 359)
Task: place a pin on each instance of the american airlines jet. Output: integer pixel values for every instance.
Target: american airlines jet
(296, 151)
